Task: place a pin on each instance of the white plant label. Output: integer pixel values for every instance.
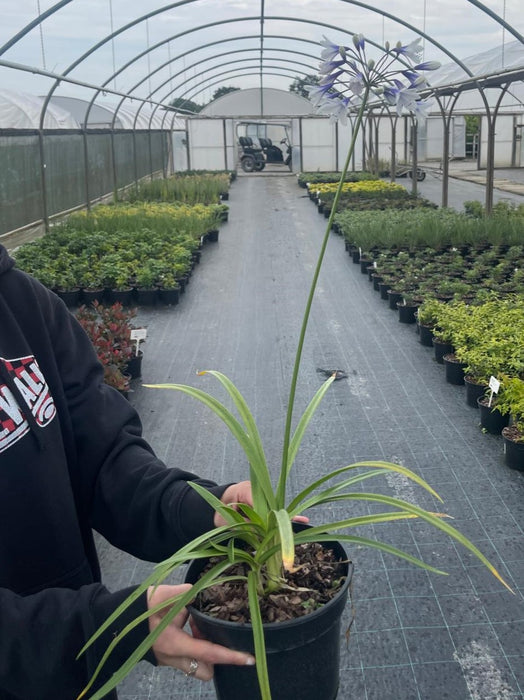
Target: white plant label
(494, 385)
(138, 334)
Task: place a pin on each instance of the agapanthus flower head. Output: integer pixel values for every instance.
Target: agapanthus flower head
(349, 76)
(359, 42)
(336, 107)
(330, 50)
(413, 51)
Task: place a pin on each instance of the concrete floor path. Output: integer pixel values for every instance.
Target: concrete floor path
(416, 636)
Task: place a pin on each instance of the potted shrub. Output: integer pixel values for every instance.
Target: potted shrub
(491, 419)
(510, 402)
(428, 314)
(109, 329)
(145, 284)
(258, 546)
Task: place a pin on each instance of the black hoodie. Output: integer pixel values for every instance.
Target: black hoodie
(71, 459)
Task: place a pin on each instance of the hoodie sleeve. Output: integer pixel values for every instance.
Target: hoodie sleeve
(54, 620)
(127, 493)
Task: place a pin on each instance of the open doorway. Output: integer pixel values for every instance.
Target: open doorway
(264, 142)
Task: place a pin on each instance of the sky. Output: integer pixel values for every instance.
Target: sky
(182, 64)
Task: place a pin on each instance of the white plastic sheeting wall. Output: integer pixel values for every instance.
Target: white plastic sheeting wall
(431, 138)
(318, 145)
(206, 144)
(504, 141)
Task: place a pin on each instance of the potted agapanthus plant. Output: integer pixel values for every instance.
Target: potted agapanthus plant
(259, 548)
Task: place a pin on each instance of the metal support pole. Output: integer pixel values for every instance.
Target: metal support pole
(114, 167)
(41, 148)
(224, 136)
(86, 169)
(393, 163)
(414, 131)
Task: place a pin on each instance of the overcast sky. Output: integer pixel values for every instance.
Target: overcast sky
(456, 24)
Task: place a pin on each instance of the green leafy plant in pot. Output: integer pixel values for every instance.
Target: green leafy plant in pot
(260, 547)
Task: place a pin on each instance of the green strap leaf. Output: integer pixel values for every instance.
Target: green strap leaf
(380, 466)
(431, 518)
(297, 439)
(263, 495)
(286, 537)
(258, 636)
(374, 544)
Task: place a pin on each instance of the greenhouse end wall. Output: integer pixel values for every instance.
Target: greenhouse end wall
(115, 160)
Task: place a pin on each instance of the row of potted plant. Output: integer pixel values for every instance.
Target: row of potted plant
(445, 274)
(119, 252)
(486, 341)
(203, 188)
(440, 228)
(364, 196)
(307, 178)
(479, 340)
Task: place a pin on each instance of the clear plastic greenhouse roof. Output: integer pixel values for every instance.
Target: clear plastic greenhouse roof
(153, 51)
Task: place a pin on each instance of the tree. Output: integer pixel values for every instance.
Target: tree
(186, 105)
(298, 84)
(223, 91)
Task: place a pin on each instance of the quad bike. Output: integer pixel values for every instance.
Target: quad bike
(252, 158)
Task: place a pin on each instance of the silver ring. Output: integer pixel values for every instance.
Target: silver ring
(193, 666)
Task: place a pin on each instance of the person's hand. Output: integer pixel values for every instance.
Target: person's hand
(176, 648)
(241, 493)
(236, 493)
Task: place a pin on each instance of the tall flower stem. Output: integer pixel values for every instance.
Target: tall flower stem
(281, 489)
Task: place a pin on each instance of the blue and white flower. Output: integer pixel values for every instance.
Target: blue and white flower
(349, 77)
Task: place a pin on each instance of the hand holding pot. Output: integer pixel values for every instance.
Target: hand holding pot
(191, 654)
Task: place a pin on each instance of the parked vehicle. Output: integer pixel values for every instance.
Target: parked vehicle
(272, 153)
(288, 158)
(252, 158)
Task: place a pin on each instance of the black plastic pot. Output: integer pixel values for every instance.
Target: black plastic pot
(70, 297)
(490, 420)
(145, 296)
(454, 370)
(89, 296)
(122, 296)
(425, 335)
(441, 349)
(407, 313)
(364, 264)
(303, 655)
(134, 366)
(474, 391)
(170, 297)
(383, 288)
(376, 281)
(513, 451)
(394, 298)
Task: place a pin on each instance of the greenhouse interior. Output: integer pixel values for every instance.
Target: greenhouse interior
(262, 277)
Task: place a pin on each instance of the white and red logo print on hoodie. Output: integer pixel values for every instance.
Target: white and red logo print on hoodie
(32, 388)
